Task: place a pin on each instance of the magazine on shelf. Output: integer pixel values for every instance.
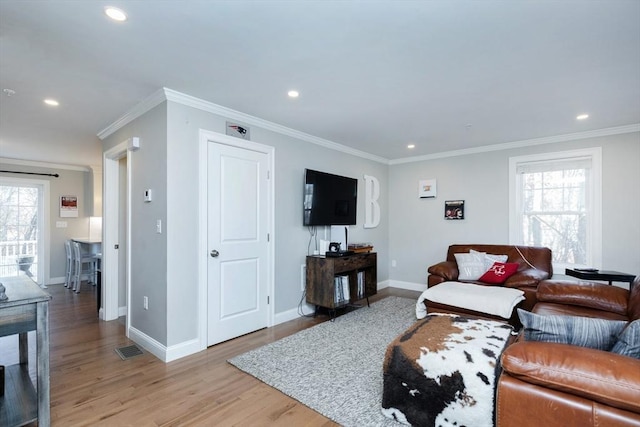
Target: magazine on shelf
(360, 284)
(341, 289)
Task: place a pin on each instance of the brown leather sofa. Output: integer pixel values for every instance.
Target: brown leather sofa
(526, 279)
(549, 384)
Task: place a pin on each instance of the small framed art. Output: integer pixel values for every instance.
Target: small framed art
(427, 188)
(68, 206)
(454, 209)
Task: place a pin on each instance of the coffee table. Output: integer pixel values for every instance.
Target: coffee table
(608, 275)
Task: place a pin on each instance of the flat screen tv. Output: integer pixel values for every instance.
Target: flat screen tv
(329, 199)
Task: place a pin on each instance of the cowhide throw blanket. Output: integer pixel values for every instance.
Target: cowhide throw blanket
(442, 372)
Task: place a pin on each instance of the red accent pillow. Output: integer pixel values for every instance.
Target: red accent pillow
(499, 272)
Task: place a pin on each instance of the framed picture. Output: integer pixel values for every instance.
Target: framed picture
(427, 188)
(454, 209)
(68, 206)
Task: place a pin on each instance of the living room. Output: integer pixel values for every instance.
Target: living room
(412, 233)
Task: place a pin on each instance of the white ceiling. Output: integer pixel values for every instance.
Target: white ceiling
(372, 75)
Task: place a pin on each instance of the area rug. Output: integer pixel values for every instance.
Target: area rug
(335, 367)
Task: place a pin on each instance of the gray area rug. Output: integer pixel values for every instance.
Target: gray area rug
(335, 367)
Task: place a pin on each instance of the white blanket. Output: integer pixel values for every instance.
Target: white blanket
(495, 300)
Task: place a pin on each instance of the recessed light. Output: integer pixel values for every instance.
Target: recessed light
(51, 102)
(582, 117)
(293, 94)
(410, 146)
(115, 14)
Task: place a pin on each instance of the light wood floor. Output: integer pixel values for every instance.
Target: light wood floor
(91, 385)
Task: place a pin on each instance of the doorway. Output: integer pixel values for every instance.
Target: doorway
(116, 232)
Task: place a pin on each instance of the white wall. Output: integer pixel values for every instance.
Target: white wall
(419, 235)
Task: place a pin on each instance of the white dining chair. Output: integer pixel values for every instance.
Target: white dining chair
(69, 264)
(79, 261)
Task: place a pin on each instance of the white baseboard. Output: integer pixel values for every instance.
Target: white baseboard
(292, 314)
(183, 349)
(383, 284)
(162, 352)
(411, 286)
(168, 354)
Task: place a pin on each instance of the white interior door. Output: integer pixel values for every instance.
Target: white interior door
(238, 219)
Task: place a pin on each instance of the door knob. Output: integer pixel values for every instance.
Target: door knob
(214, 253)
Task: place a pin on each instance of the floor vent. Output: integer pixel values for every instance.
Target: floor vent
(129, 351)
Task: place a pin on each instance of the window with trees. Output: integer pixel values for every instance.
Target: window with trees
(19, 229)
(556, 203)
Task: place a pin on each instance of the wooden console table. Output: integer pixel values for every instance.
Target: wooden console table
(27, 309)
(321, 273)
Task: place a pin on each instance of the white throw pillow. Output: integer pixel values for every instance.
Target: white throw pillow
(489, 259)
(470, 266)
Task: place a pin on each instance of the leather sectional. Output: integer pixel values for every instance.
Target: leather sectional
(549, 384)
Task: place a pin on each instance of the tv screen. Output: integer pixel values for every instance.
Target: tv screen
(329, 199)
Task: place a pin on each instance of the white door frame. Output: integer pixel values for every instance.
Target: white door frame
(203, 249)
(110, 228)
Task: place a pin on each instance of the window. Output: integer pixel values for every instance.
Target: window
(21, 221)
(555, 202)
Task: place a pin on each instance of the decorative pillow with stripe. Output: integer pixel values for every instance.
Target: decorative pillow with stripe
(588, 332)
(628, 343)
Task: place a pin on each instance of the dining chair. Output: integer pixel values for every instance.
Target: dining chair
(69, 264)
(80, 260)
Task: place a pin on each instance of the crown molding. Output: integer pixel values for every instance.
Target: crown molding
(192, 101)
(37, 164)
(523, 143)
(165, 94)
(155, 99)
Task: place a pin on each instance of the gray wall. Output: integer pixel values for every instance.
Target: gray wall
(70, 182)
(292, 156)
(163, 266)
(148, 249)
(419, 236)
(412, 231)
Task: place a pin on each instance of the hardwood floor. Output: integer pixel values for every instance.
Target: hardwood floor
(91, 385)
